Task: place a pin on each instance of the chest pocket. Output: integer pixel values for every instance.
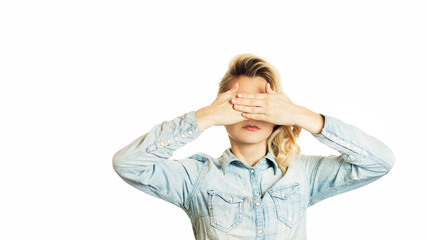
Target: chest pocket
(287, 203)
(225, 210)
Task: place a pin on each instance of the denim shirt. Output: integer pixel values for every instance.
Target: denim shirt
(228, 199)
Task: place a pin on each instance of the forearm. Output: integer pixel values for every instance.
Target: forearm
(146, 162)
(363, 159)
(309, 120)
(159, 143)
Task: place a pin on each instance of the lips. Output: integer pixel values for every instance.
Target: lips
(251, 127)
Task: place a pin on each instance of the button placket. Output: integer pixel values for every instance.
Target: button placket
(257, 204)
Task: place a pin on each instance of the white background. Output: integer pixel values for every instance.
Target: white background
(82, 79)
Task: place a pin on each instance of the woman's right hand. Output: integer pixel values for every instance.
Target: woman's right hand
(220, 112)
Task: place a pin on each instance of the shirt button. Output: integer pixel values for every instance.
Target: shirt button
(252, 171)
(257, 194)
(260, 230)
(190, 132)
(257, 203)
(183, 135)
(176, 138)
(169, 141)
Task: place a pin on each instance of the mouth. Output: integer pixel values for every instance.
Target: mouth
(251, 127)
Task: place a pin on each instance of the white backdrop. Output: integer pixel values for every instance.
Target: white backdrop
(82, 79)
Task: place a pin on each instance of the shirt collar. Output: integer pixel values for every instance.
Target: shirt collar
(228, 157)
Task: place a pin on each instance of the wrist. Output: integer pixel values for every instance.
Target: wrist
(309, 120)
(203, 118)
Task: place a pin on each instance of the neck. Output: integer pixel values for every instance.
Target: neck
(249, 153)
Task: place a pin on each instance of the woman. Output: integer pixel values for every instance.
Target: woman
(261, 186)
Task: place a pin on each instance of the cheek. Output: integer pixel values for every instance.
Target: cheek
(268, 126)
(230, 128)
(269, 129)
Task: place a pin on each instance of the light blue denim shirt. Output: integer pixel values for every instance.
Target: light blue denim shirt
(228, 199)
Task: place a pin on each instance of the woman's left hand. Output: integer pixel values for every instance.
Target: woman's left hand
(271, 107)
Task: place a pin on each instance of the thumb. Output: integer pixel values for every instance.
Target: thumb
(236, 87)
(268, 88)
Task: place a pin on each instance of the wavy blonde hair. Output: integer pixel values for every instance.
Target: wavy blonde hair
(282, 141)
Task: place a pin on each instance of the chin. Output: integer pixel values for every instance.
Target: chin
(245, 139)
(238, 134)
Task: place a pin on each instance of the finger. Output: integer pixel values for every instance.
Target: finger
(255, 116)
(249, 102)
(248, 109)
(252, 95)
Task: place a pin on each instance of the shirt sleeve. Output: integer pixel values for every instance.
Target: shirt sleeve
(363, 160)
(146, 165)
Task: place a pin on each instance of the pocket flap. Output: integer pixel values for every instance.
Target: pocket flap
(230, 198)
(284, 192)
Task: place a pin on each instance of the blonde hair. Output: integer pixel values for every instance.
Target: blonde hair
(282, 141)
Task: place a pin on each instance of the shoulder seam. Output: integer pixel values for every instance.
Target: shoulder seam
(196, 186)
